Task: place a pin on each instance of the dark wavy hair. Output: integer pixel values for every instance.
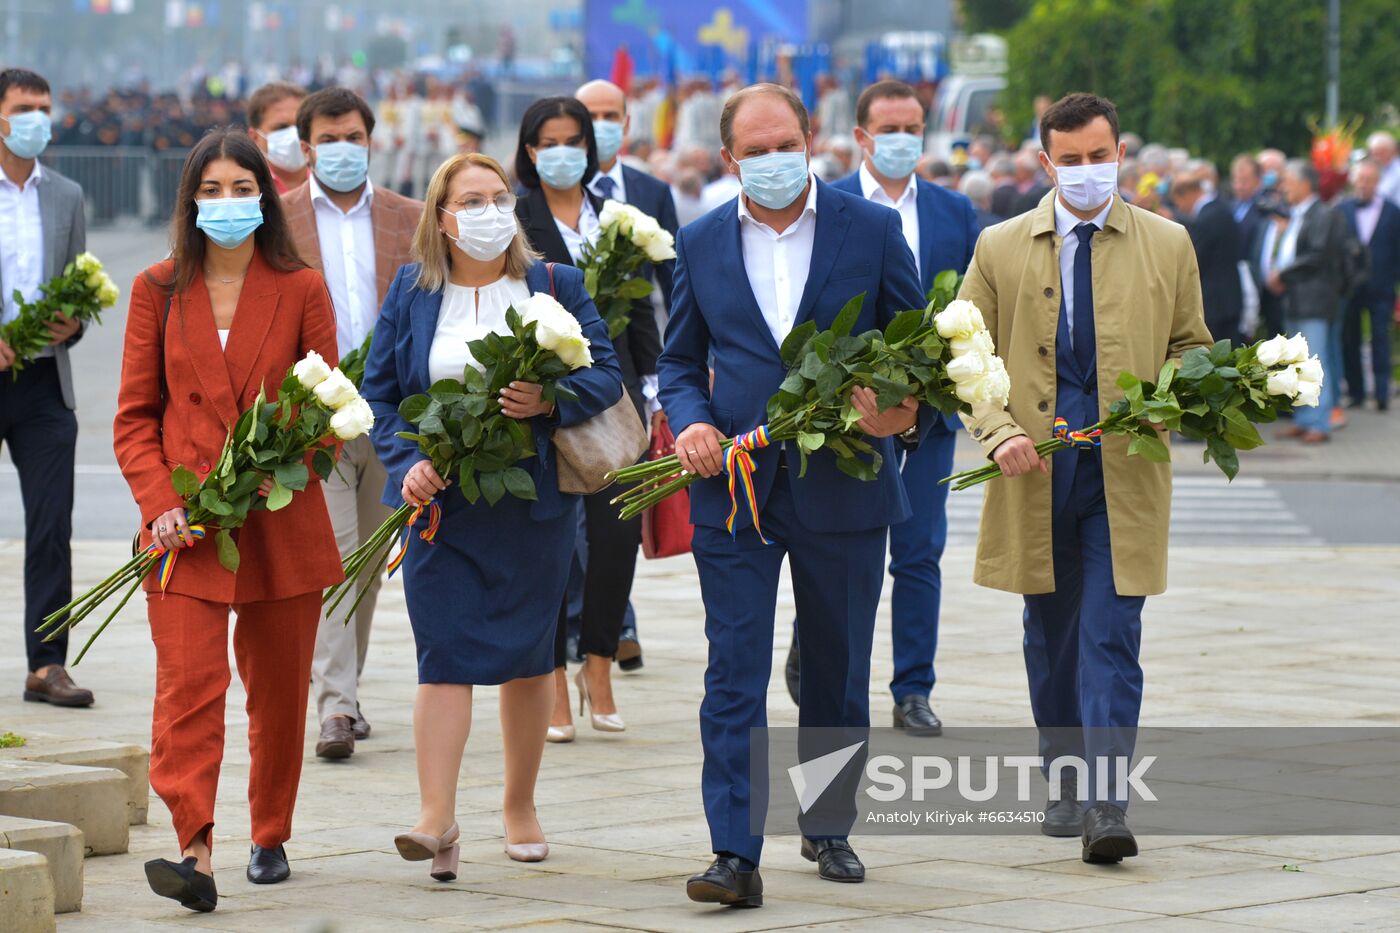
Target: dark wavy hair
(542, 110)
(187, 242)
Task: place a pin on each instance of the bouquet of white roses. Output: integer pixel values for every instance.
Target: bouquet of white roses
(627, 238)
(80, 292)
(1217, 395)
(460, 427)
(270, 442)
(940, 355)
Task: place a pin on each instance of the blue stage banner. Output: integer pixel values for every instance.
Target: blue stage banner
(674, 38)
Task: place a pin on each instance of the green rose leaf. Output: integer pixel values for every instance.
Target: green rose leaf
(184, 481)
(1150, 447)
(846, 321)
(810, 442)
(412, 408)
(904, 325)
(493, 486)
(795, 341)
(279, 498)
(1195, 364)
(520, 483)
(228, 550)
(323, 462)
(292, 475)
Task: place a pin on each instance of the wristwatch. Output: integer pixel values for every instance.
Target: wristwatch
(911, 436)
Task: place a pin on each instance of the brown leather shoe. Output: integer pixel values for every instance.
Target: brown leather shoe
(337, 738)
(57, 688)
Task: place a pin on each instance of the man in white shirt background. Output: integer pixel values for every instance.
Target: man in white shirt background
(1376, 223)
(357, 236)
(272, 124)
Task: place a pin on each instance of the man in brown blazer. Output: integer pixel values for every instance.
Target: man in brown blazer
(357, 236)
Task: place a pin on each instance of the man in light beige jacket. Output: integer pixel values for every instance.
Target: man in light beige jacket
(1078, 290)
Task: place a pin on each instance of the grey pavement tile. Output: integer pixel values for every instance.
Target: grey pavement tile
(682, 916)
(1046, 916)
(1221, 892)
(1337, 913)
(1310, 848)
(1168, 864)
(1000, 880)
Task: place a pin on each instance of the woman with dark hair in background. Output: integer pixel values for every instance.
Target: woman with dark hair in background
(224, 318)
(555, 158)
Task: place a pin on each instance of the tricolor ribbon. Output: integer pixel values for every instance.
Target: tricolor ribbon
(427, 534)
(1081, 438)
(167, 558)
(738, 463)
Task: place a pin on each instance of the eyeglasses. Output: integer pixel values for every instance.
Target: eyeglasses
(475, 205)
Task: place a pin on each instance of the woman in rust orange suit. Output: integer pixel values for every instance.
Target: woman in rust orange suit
(223, 318)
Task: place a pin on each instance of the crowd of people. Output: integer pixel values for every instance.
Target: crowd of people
(307, 208)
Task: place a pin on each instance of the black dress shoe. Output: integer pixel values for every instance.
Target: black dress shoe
(916, 717)
(182, 882)
(1107, 838)
(361, 727)
(836, 860)
(1064, 818)
(726, 882)
(268, 866)
(792, 671)
(629, 650)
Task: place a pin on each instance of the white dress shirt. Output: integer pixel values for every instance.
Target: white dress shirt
(469, 314)
(347, 261)
(907, 206)
(1065, 222)
(619, 192)
(1367, 217)
(1288, 248)
(1389, 187)
(778, 263)
(587, 231)
(21, 241)
(223, 337)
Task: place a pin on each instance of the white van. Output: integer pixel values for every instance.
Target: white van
(960, 110)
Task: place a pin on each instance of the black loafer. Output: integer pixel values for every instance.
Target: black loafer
(915, 716)
(726, 882)
(1107, 838)
(1064, 818)
(629, 651)
(268, 866)
(836, 860)
(792, 671)
(181, 881)
(361, 728)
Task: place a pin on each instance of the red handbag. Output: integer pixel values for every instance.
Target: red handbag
(666, 527)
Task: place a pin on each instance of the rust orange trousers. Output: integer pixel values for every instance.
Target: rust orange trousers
(272, 644)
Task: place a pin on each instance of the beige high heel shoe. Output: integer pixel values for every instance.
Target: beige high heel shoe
(443, 850)
(524, 851)
(603, 722)
(560, 733)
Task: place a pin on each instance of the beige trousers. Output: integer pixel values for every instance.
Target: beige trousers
(352, 498)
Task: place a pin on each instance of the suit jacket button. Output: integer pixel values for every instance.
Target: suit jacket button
(1088, 390)
(204, 466)
(1043, 406)
(1049, 292)
(1044, 352)
(195, 399)
(976, 432)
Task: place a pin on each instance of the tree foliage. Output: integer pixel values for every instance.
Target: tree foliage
(1216, 76)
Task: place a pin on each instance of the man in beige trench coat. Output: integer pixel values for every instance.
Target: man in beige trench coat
(1075, 292)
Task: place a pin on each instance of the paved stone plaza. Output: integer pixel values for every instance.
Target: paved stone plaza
(1281, 611)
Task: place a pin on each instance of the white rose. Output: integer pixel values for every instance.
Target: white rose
(87, 262)
(352, 421)
(108, 294)
(988, 388)
(959, 319)
(95, 279)
(615, 213)
(980, 342)
(661, 247)
(1296, 350)
(575, 352)
(1310, 370)
(1309, 393)
(968, 367)
(311, 371)
(1271, 351)
(336, 391)
(553, 324)
(1283, 382)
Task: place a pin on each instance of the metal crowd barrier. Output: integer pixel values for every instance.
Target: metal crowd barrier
(121, 183)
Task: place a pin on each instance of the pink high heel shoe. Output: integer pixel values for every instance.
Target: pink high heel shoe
(524, 851)
(443, 850)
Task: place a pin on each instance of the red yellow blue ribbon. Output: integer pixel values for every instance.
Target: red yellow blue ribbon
(738, 463)
(427, 534)
(167, 558)
(1080, 438)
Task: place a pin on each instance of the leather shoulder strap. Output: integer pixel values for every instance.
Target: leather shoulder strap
(549, 269)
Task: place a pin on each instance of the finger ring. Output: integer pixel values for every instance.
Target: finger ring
(691, 452)
(162, 527)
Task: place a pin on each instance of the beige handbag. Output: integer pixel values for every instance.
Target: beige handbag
(609, 441)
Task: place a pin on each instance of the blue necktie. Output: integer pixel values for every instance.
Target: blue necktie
(1083, 337)
(605, 185)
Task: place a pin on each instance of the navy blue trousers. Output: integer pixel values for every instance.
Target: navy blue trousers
(836, 580)
(1081, 641)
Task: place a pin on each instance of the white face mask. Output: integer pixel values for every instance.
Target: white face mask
(284, 149)
(487, 235)
(1087, 187)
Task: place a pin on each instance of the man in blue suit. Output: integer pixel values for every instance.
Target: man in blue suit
(787, 250)
(607, 105)
(941, 228)
(1376, 223)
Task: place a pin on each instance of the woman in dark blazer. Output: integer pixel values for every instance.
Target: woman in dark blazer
(225, 318)
(483, 598)
(555, 158)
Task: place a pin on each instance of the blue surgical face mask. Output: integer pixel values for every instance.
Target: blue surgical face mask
(561, 166)
(30, 133)
(609, 136)
(342, 166)
(896, 154)
(774, 179)
(229, 221)
(1270, 179)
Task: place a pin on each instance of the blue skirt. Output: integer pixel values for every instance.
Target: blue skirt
(484, 597)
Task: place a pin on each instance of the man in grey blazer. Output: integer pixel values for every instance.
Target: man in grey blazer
(42, 229)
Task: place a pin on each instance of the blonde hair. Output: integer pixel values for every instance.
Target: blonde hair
(430, 243)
